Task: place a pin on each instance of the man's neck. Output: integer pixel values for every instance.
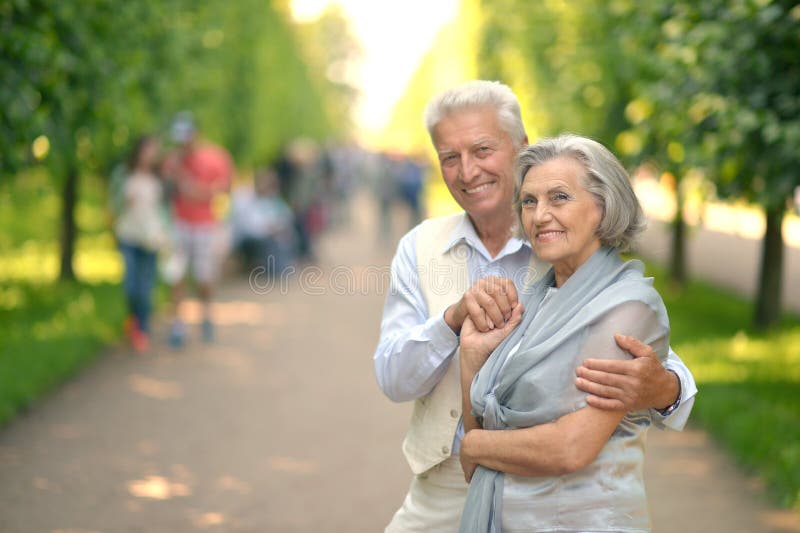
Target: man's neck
(494, 232)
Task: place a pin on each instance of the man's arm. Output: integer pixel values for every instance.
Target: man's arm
(575, 439)
(668, 390)
(414, 350)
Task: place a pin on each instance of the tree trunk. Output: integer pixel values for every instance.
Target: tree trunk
(768, 300)
(677, 265)
(69, 229)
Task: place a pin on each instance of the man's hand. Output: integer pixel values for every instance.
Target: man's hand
(476, 346)
(641, 383)
(489, 303)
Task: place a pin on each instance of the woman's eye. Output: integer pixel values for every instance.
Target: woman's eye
(560, 197)
(528, 202)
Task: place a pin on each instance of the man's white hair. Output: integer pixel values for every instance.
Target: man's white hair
(476, 94)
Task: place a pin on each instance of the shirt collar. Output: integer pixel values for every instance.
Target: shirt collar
(465, 232)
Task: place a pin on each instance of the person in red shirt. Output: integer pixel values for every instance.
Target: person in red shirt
(200, 174)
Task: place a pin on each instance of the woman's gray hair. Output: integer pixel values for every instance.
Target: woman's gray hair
(479, 93)
(606, 179)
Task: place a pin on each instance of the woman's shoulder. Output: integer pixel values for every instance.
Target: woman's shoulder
(630, 286)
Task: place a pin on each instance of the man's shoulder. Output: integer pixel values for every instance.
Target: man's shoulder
(432, 235)
(430, 229)
(446, 223)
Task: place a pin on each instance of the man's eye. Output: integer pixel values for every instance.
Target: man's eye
(448, 159)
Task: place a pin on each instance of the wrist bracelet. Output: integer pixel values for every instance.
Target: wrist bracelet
(669, 410)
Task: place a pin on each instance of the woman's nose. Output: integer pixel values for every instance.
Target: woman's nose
(542, 213)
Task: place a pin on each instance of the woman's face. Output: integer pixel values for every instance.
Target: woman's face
(559, 216)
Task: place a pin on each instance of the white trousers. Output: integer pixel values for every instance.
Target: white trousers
(434, 501)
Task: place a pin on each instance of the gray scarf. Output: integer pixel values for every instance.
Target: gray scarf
(498, 392)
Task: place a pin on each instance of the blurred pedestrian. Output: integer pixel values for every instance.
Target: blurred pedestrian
(308, 193)
(263, 224)
(411, 176)
(386, 191)
(142, 229)
(201, 174)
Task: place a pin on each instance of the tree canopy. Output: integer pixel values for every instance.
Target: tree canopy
(82, 80)
(713, 86)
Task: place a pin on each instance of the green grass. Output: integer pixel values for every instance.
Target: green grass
(50, 331)
(749, 382)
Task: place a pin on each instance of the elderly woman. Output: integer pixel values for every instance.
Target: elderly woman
(581, 470)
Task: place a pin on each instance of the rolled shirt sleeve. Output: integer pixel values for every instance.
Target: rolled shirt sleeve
(676, 418)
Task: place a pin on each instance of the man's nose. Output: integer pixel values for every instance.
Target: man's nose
(469, 168)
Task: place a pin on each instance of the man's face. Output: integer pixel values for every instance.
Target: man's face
(477, 161)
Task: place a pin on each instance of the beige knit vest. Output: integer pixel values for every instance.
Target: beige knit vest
(443, 278)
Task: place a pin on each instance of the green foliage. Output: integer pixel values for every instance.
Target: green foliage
(749, 382)
(89, 77)
(29, 214)
(710, 86)
(49, 332)
(569, 57)
(82, 80)
(331, 51)
(739, 59)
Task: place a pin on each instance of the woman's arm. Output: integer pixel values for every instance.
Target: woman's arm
(575, 439)
(475, 349)
(561, 447)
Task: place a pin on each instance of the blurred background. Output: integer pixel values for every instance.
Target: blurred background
(324, 100)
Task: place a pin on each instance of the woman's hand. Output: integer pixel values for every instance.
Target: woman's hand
(468, 467)
(476, 346)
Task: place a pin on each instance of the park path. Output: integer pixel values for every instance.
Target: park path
(279, 427)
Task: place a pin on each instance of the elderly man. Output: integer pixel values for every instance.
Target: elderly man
(471, 264)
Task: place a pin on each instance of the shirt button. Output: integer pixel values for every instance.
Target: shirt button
(454, 413)
(445, 450)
